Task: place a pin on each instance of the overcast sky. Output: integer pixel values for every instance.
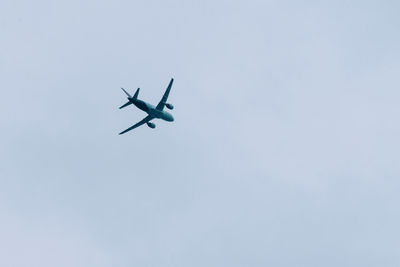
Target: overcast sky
(284, 150)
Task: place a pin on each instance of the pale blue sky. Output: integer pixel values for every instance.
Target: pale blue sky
(284, 150)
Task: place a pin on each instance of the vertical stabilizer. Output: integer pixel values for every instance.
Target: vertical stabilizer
(136, 94)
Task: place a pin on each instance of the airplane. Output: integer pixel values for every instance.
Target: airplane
(154, 112)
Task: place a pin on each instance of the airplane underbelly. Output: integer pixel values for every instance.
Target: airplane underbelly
(155, 113)
(159, 114)
(141, 105)
(167, 117)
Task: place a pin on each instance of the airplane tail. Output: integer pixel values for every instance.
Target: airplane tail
(126, 104)
(126, 92)
(135, 96)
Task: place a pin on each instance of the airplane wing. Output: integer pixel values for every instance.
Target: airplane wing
(163, 101)
(145, 120)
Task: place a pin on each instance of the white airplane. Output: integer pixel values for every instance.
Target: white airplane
(153, 112)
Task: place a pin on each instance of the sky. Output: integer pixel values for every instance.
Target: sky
(284, 150)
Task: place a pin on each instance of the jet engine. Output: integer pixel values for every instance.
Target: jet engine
(151, 125)
(169, 106)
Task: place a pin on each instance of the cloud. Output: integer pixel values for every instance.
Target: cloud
(283, 151)
(33, 239)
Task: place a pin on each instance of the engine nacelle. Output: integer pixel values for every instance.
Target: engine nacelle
(151, 125)
(169, 106)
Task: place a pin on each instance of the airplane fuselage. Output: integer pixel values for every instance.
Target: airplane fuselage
(151, 110)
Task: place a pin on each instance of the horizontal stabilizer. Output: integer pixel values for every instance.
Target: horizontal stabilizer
(126, 104)
(126, 92)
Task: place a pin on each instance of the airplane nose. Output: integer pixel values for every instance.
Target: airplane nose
(168, 117)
